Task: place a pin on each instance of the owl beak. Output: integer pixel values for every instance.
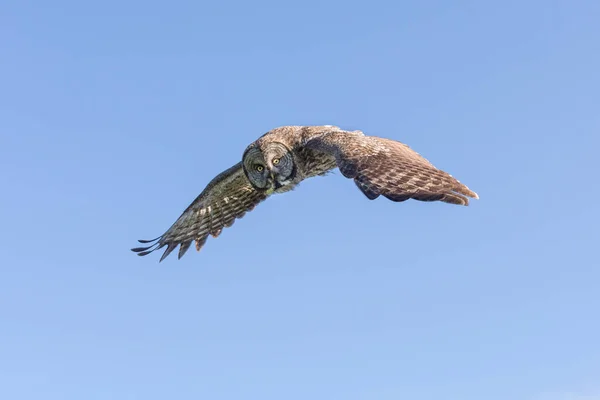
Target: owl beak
(275, 182)
(270, 180)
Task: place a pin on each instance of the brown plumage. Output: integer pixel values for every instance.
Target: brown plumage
(280, 159)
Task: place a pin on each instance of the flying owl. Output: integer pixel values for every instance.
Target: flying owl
(283, 157)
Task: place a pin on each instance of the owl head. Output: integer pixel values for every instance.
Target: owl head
(269, 166)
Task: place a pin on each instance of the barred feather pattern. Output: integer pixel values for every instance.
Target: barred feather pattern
(386, 167)
(227, 197)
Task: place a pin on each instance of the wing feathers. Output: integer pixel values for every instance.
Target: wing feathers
(183, 247)
(370, 191)
(170, 247)
(227, 197)
(386, 167)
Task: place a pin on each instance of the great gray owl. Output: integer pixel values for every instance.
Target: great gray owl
(283, 157)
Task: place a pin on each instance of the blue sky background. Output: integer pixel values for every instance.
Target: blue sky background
(114, 115)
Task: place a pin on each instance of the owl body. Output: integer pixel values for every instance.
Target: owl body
(283, 157)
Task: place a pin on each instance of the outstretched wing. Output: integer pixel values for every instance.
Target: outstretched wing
(389, 168)
(227, 197)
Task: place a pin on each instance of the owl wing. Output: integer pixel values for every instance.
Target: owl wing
(227, 197)
(386, 167)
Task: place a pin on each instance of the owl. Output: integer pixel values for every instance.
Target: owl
(283, 157)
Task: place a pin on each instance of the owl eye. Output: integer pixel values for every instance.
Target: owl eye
(259, 168)
(275, 161)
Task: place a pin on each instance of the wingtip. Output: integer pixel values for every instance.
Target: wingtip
(142, 251)
(148, 240)
(170, 247)
(472, 195)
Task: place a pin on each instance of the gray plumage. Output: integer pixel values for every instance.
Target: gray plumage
(283, 157)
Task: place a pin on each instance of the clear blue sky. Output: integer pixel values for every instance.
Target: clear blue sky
(114, 115)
